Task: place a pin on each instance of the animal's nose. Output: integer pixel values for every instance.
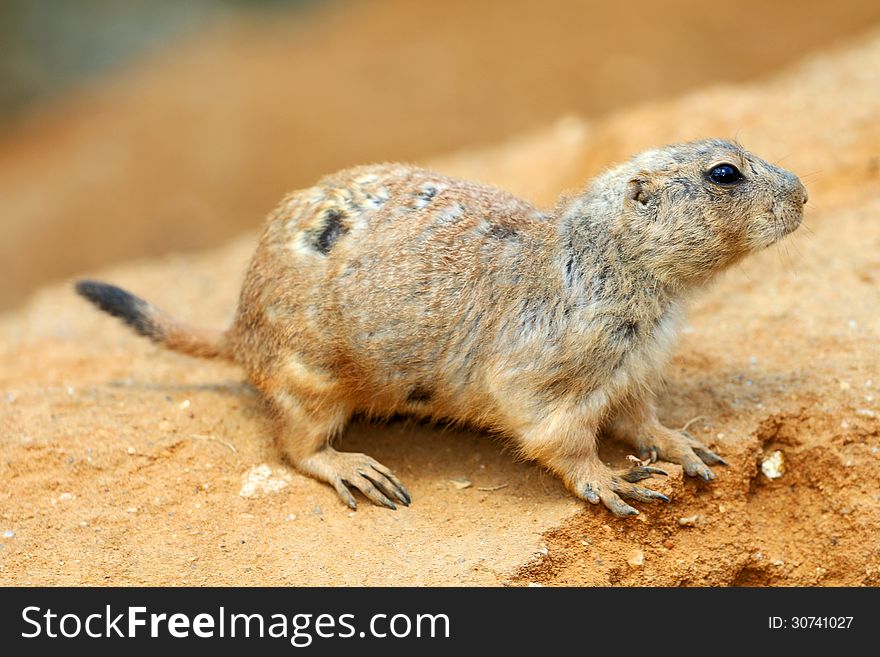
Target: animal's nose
(798, 190)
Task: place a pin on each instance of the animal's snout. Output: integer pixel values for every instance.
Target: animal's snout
(797, 192)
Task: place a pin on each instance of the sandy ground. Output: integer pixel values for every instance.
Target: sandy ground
(122, 464)
(191, 146)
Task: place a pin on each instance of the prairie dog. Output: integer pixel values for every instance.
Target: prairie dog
(391, 289)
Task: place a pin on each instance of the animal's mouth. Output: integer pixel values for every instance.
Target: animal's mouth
(791, 222)
(785, 220)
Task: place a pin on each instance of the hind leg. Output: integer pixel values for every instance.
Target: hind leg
(636, 423)
(305, 426)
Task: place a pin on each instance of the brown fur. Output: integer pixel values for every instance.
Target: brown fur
(390, 289)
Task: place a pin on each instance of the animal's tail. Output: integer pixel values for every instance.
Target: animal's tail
(154, 323)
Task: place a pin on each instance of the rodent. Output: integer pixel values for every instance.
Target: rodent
(391, 289)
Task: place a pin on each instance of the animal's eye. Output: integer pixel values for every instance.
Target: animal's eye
(725, 174)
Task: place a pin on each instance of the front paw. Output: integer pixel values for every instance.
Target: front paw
(682, 448)
(610, 487)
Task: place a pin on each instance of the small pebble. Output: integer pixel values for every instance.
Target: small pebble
(773, 466)
(461, 483)
(636, 559)
(8, 533)
(688, 521)
(535, 585)
(866, 412)
(130, 450)
(184, 405)
(290, 517)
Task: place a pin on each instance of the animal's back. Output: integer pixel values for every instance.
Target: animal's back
(390, 279)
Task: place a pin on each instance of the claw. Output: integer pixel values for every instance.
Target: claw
(590, 495)
(381, 499)
(381, 485)
(640, 472)
(403, 495)
(386, 486)
(656, 495)
(375, 493)
(649, 453)
(620, 508)
(644, 494)
(344, 470)
(698, 469)
(400, 491)
(636, 492)
(708, 456)
(345, 494)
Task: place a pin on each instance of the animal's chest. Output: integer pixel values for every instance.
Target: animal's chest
(617, 354)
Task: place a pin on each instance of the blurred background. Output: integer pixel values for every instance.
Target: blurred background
(136, 128)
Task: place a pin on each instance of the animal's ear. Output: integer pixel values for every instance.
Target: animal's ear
(638, 189)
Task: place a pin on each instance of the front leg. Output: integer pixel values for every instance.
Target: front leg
(565, 441)
(636, 423)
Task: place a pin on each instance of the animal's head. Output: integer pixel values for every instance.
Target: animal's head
(689, 210)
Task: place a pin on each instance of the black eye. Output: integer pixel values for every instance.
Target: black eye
(725, 174)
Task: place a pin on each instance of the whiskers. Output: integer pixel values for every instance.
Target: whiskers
(804, 229)
(785, 246)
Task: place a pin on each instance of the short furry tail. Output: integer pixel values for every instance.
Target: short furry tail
(153, 323)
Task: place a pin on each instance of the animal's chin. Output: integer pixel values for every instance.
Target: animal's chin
(782, 225)
(792, 221)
